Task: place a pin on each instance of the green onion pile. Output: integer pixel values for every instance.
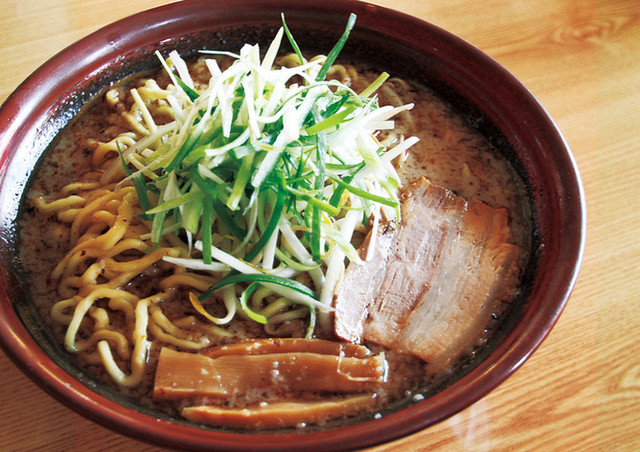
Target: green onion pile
(268, 173)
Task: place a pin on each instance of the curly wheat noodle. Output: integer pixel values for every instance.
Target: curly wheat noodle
(83, 307)
(140, 350)
(104, 152)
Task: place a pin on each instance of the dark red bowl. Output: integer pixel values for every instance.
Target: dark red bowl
(494, 100)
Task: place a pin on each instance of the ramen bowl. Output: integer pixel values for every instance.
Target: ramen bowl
(484, 92)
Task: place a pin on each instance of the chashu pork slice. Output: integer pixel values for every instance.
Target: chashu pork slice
(434, 281)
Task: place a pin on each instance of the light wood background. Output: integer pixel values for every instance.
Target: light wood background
(580, 58)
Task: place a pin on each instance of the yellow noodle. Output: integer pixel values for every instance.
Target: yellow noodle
(163, 322)
(160, 296)
(171, 332)
(58, 204)
(186, 322)
(101, 317)
(104, 241)
(165, 338)
(144, 111)
(124, 305)
(58, 310)
(137, 230)
(109, 150)
(155, 98)
(68, 286)
(289, 60)
(138, 265)
(152, 91)
(67, 215)
(136, 124)
(70, 263)
(104, 216)
(127, 244)
(343, 74)
(112, 97)
(94, 231)
(289, 327)
(140, 350)
(282, 317)
(172, 339)
(257, 300)
(276, 306)
(137, 161)
(90, 276)
(86, 213)
(81, 310)
(114, 281)
(196, 281)
(113, 337)
(80, 186)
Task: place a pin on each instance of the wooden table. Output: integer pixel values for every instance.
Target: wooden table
(580, 58)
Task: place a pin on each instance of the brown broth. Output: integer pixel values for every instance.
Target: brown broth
(450, 153)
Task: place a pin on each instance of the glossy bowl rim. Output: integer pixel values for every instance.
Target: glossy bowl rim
(512, 352)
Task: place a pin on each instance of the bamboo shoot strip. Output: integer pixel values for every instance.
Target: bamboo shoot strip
(286, 345)
(281, 414)
(180, 375)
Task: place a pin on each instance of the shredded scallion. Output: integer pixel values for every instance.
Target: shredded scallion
(280, 142)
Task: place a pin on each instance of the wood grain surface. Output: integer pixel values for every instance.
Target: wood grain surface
(581, 390)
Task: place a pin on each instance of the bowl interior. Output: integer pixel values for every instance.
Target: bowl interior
(491, 99)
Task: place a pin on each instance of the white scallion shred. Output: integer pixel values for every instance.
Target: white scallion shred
(248, 143)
